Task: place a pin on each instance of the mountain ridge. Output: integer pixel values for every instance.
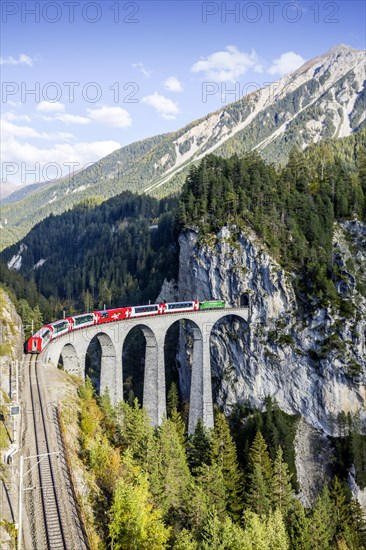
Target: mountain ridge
(323, 98)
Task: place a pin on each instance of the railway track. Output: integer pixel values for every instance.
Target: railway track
(54, 522)
(54, 529)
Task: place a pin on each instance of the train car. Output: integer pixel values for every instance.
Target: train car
(39, 340)
(176, 307)
(110, 315)
(212, 304)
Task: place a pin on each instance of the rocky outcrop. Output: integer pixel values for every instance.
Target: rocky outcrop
(314, 455)
(11, 331)
(312, 366)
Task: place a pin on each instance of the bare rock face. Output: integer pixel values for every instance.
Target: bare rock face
(313, 366)
(11, 332)
(314, 455)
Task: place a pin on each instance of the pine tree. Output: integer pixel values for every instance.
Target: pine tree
(281, 490)
(255, 535)
(358, 525)
(172, 398)
(211, 480)
(223, 453)
(258, 493)
(340, 503)
(220, 535)
(177, 420)
(322, 523)
(134, 430)
(298, 528)
(184, 541)
(276, 531)
(198, 446)
(169, 475)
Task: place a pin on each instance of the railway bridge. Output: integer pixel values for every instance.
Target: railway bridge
(111, 336)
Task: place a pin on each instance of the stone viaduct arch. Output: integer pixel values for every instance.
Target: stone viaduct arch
(111, 336)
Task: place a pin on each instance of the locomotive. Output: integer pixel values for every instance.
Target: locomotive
(46, 334)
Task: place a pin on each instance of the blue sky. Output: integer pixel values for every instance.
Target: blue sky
(108, 73)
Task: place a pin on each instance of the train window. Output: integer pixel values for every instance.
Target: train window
(83, 319)
(104, 315)
(145, 309)
(179, 305)
(45, 333)
(60, 326)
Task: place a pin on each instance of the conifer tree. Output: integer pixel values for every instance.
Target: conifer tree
(276, 531)
(322, 523)
(281, 490)
(172, 398)
(169, 475)
(185, 541)
(198, 446)
(211, 480)
(177, 420)
(258, 492)
(223, 453)
(255, 535)
(221, 535)
(135, 431)
(298, 528)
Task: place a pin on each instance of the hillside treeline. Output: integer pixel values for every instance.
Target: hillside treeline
(291, 209)
(113, 254)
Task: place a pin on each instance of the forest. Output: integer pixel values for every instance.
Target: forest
(118, 252)
(292, 209)
(234, 487)
(158, 489)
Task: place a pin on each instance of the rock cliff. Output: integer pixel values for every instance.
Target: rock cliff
(314, 365)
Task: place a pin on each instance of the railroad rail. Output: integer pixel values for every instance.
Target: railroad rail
(51, 509)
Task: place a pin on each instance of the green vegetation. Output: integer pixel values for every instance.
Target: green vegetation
(292, 209)
(159, 489)
(350, 448)
(115, 253)
(30, 305)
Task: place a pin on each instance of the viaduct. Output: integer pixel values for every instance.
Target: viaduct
(73, 347)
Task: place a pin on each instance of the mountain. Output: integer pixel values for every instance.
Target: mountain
(322, 99)
(7, 189)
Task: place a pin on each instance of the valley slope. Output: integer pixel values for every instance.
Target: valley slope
(325, 98)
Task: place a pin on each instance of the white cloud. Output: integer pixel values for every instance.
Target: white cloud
(111, 116)
(22, 60)
(163, 105)
(73, 119)
(29, 158)
(228, 65)
(173, 84)
(50, 107)
(10, 130)
(13, 117)
(141, 67)
(286, 63)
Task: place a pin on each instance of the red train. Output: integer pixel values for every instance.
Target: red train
(46, 334)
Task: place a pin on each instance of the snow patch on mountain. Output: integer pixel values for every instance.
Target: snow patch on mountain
(16, 261)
